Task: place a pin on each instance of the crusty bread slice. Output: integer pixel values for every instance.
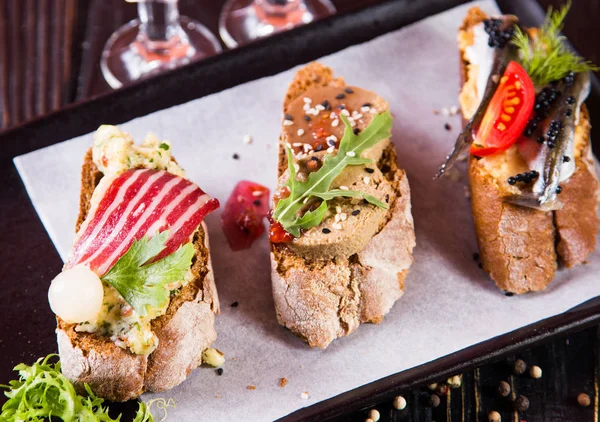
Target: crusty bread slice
(520, 247)
(184, 331)
(321, 300)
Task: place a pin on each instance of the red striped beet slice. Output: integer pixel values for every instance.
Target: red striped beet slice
(139, 202)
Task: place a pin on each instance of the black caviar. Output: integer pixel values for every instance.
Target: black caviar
(553, 132)
(558, 190)
(526, 177)
(356, 131)
(570, 78)
(498, 38)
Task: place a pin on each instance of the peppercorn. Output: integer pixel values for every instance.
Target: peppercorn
(455, 381)
(521, 403)
(442, 389)
(504, 388)
(519, 367)
(374, 415)
(535, 372)
(399, 403)
(584, 400)
(494, 416)
(434, 401)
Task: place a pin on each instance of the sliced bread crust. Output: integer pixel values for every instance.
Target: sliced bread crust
(321, 300)
(519, 247)
(184, 331)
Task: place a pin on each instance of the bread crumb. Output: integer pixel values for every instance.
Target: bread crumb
(213, 357)
(247, 139)
(218, 396)
(304, 395)
(251, 387)
(233, 358)
(283, 382)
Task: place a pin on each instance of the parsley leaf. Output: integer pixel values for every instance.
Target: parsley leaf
(43, 392)
(144, 286)
(547, 58)
(317, 186)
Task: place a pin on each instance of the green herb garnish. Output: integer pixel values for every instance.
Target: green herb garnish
(287, 212)
(144, 286)
(549, 59)
(164, 146)
(42, 392)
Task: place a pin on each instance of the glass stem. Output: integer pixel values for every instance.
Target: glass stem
(160, 30)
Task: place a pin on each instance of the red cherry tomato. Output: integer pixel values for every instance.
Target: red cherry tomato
(242, 218)
(508, 112)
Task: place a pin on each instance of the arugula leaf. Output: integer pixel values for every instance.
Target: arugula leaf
(43, 392)
(549, 59)
(144, 286)
(317, 186)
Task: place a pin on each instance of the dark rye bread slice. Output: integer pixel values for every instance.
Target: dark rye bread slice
(520, 247)
(184, 332)
(321, 300)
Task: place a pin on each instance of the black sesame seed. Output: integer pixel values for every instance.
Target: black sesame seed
(356, 131)
(314, 159)
(319, 147)
(220, 371)
(340, 96)
(509, 294)
(326, 230)
(366, 105)
(369, 170)
(558, 190)
(307, 118)
(234, 304)
(236, 156)
(256, 202)
(355, 212)
(348, 91)
(566, 159)
(387, 198)
(289, 117)
(341, 106)
(447, 126)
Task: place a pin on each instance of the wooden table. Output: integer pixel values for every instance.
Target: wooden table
(49, 57)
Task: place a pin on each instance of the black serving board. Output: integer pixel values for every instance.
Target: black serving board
(28, 259)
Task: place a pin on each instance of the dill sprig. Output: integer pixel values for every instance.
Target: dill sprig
(547, 58)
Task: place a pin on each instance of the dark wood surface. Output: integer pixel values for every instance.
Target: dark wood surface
(49, 54)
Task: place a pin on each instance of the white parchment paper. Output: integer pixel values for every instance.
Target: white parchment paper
(449, 303)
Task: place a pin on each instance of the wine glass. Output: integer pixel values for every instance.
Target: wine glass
(159, 39)
(243, 21)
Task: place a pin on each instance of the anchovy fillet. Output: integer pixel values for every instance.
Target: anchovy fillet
(544, 193)
(502, 57)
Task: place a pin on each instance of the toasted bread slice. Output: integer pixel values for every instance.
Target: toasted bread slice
(184, 331)
(320, 300)
(520, 247)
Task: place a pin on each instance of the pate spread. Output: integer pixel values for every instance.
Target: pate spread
(312, 128)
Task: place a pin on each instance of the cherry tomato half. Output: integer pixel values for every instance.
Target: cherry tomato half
(508, 112)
